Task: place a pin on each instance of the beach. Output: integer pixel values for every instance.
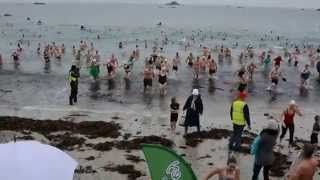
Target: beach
(31, 92)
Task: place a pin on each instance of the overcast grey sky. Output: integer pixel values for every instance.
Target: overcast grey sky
(277, 3)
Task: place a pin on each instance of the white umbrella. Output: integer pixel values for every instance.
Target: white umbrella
(31, 160)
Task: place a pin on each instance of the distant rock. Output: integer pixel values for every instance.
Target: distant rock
(173, 3)
(39, 3)
(318, 9)
(39, 22)
(7, 15)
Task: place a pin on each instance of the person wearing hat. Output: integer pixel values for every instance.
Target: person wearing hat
(287, 117)
(264, 156)
(73, 80)
(240, 116)
(194, 108)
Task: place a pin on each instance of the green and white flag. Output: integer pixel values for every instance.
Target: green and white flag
(165, 164)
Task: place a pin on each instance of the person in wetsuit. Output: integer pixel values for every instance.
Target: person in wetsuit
(73, 80)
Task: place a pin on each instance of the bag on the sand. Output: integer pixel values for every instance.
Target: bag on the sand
(182, 119)
(255, 145)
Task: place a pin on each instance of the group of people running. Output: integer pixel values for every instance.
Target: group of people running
(264, 144)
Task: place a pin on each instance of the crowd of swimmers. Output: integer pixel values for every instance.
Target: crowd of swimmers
(157, 67)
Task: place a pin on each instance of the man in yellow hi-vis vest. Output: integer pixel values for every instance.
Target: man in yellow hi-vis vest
(73, 80)
(240, 117)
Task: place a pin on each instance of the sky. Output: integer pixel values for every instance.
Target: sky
(263, 3)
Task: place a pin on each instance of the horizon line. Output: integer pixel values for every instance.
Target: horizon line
(156, 3)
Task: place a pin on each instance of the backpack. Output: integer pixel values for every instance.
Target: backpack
(255, 145)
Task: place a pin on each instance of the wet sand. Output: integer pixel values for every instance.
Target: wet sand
(95, 149)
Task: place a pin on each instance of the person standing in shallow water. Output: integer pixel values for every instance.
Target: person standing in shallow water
(193, 108)
(73, 80)
(174, 109)
(240, 116)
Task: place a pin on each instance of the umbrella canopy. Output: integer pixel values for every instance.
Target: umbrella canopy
(31, 160)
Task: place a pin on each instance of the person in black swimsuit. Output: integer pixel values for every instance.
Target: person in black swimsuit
(162, 81)
(109, 69)
(190, 59)
(318, 69)
(305, 75)
(127, 71)
(242, 84)
(174, 109)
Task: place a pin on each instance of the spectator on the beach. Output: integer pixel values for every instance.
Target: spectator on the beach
(193, 108)
(315, 130)
(264, 156)
(240, 116)
(307, 167)
(73, 80)
(229, 172)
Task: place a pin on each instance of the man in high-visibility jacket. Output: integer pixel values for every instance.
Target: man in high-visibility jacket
(240, 117)
(73, 80)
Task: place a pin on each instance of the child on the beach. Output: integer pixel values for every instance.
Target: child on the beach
(174, 109)
(315, 130)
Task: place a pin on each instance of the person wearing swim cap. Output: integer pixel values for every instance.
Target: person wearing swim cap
(287, 117)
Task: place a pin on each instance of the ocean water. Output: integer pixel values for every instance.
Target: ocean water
(137, 21)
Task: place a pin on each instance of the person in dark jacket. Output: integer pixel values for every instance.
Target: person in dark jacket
(315, 130)
(318, 69)
(240, 116)
(264, 156)
(73, 80)
(194, 108)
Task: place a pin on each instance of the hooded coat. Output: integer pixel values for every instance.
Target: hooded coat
(193, 114)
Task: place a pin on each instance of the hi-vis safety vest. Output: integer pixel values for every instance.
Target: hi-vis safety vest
(72, 78)
(237, 113)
